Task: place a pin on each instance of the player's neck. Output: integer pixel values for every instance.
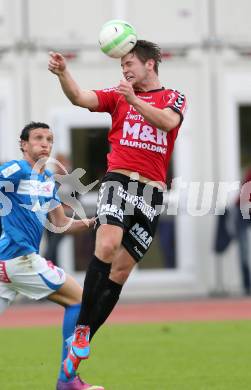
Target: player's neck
(148, 85)
(37, 167)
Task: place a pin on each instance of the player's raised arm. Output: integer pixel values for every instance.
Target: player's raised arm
(82, 98)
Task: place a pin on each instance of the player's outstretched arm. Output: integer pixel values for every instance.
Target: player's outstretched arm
(59, 219)
(82, 98)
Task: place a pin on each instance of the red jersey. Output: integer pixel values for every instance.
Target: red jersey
(136, 145)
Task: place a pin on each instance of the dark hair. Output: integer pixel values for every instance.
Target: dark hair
(25, 133)
(146, 50)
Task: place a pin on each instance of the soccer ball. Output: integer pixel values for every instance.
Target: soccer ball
(117, 38)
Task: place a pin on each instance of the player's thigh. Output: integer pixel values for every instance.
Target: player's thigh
(109, 232)
(69, 294)
(108, 240)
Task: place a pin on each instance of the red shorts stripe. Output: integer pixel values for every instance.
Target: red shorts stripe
(3, 274)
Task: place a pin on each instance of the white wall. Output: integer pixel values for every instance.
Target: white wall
(171, 23)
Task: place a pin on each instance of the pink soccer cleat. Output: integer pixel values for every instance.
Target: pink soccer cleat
(77, 384)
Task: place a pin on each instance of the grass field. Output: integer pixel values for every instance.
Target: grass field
(175, 356)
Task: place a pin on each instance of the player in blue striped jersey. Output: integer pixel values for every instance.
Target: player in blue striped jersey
(29, 202)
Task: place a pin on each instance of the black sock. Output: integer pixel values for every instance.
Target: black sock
(95, 282)
(105, 303)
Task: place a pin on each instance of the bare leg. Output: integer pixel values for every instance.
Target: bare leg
(69, 294)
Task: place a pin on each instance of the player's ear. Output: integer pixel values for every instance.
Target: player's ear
(22, 144)
(150, 64)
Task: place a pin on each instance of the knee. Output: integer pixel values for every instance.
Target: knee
(107, 248)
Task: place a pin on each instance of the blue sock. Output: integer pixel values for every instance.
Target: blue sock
(70, 318)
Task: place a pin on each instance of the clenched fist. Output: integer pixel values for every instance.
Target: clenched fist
(57, 63)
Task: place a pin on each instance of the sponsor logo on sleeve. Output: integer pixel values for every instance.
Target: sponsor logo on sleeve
(10, 170)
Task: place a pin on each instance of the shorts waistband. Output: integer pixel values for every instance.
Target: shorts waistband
(134, 177)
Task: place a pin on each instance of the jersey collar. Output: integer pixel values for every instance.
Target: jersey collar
(151, 90)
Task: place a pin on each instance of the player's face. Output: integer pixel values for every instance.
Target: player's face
(39, 144)
(134, 71)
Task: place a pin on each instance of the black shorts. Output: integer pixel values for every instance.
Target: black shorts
(132, 205)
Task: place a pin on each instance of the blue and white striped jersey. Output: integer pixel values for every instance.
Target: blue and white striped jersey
(26, 197)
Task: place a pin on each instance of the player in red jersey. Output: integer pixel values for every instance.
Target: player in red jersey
(146, 119)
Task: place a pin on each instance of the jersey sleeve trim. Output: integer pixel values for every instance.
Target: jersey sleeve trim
(178, 112)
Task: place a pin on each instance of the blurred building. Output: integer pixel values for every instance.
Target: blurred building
(206, 55)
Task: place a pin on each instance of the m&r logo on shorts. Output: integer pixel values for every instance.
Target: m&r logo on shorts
(141, 235)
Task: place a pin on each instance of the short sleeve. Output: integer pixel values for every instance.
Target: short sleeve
(107, 99)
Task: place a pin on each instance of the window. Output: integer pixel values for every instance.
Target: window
(245, 136)
(89, 150)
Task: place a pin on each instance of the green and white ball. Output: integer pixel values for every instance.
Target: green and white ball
(117, 38)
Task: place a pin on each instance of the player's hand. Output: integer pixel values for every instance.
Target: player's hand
(57, 63)
(89, 223)
(126, 89)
